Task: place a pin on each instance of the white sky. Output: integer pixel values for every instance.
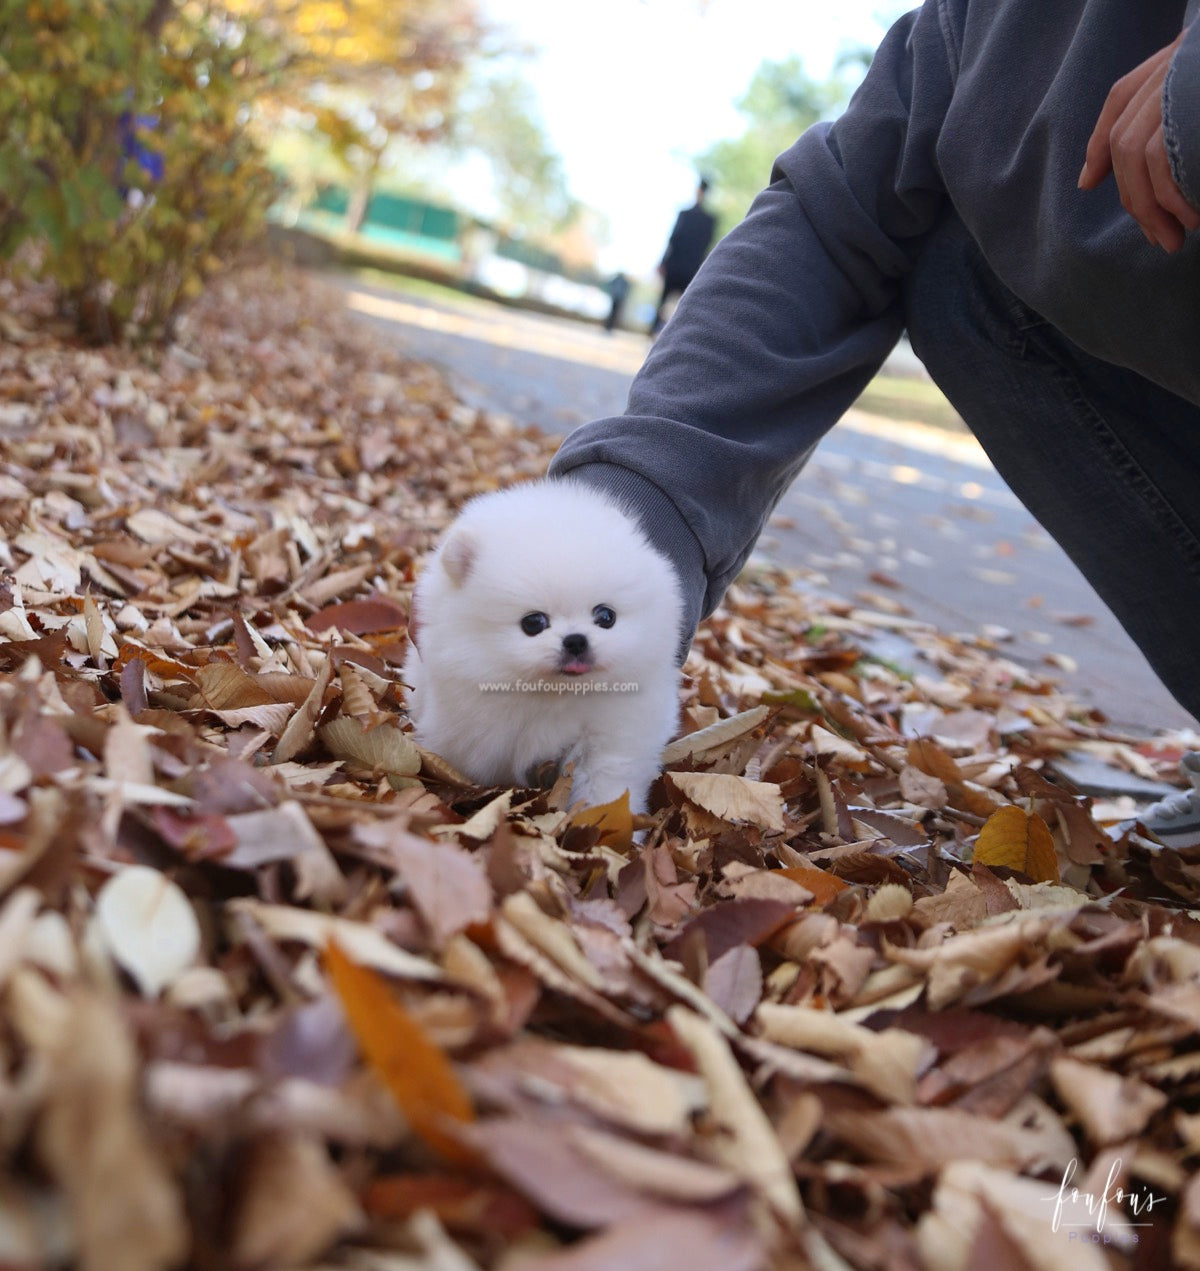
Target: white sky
(630, 88)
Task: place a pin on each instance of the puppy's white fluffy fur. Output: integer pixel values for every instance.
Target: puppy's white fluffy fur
(566, 551)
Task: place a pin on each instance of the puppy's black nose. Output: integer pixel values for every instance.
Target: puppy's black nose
(575, 644)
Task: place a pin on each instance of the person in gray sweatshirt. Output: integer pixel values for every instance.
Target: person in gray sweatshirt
(1058, 310)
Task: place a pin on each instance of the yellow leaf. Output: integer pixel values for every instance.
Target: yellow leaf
(614, 821)
(1020, 840)
(416, 1071)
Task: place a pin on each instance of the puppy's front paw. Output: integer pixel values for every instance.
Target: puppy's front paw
(594, 785)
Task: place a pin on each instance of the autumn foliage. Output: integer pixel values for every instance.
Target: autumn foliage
(872, 987)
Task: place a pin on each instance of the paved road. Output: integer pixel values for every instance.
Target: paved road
(887, 515)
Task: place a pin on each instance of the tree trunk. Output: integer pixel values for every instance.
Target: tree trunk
(360, 196)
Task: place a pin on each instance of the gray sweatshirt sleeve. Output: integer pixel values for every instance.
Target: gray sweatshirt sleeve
(1181, 113)
(788, 319)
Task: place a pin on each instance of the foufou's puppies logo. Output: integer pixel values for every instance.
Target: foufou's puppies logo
(1110, 1216)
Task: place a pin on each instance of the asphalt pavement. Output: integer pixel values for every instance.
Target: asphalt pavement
(895, 516)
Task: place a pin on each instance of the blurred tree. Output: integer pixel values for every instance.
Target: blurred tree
(781, 102)
(127, 170)
(367, 72)
(501, 124)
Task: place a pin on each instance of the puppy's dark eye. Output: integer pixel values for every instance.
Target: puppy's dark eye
(534, 623)
(603, 616)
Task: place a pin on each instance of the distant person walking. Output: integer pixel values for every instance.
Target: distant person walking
(686, 249)
(618, 292)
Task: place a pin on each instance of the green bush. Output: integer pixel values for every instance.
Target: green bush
(128, 173)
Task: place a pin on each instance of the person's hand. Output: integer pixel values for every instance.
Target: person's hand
(1128, 142)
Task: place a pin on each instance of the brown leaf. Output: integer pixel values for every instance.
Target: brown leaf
(823, 885)
(285, 833)
(448, 884)
(359, 617)
(462, 1204)
(730, 923)
(127, 1211)
(1111, 1108)
(933, 1137)
(225, 686)
(732, 799)
(734, 982)
(922, 789)
(749, 1146)
(555, 1175)
(292, 1204)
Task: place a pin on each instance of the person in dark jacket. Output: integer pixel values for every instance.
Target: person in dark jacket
(1058, 310)
(686, 249)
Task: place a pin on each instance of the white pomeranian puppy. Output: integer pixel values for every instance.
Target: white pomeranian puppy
(544, 629)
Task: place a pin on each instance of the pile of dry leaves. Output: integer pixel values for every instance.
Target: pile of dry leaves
(278, 990)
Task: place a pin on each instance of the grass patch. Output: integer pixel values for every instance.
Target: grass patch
(909, 398)
(420, 288)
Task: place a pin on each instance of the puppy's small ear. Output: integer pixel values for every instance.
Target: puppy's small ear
(459, 555)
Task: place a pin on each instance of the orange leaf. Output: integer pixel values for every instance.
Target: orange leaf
(153, 661)
(614, 820)
(1020, 840)
(823, 885)
(412, 1067)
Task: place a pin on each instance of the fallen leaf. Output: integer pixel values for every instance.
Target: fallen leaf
(613, 820)
(732, 798)
(148, 926)
(415, 1070)
(823, 885)
(1112, 1108)
(1014, 839)
(734, 982)
(886, 1063)
(715, 737)
(383, 749)
(127, 1211)
(364, 943)
(359, 617)
(291, 1203)
(748, 1145)
(448, 884)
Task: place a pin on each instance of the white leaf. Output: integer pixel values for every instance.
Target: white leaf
(148, 925)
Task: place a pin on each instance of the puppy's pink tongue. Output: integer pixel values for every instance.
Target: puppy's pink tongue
(576, 667)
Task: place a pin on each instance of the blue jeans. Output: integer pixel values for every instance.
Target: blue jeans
(1108, 462)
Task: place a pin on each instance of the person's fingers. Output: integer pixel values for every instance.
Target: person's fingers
(1098, 160)
(1129, 142)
